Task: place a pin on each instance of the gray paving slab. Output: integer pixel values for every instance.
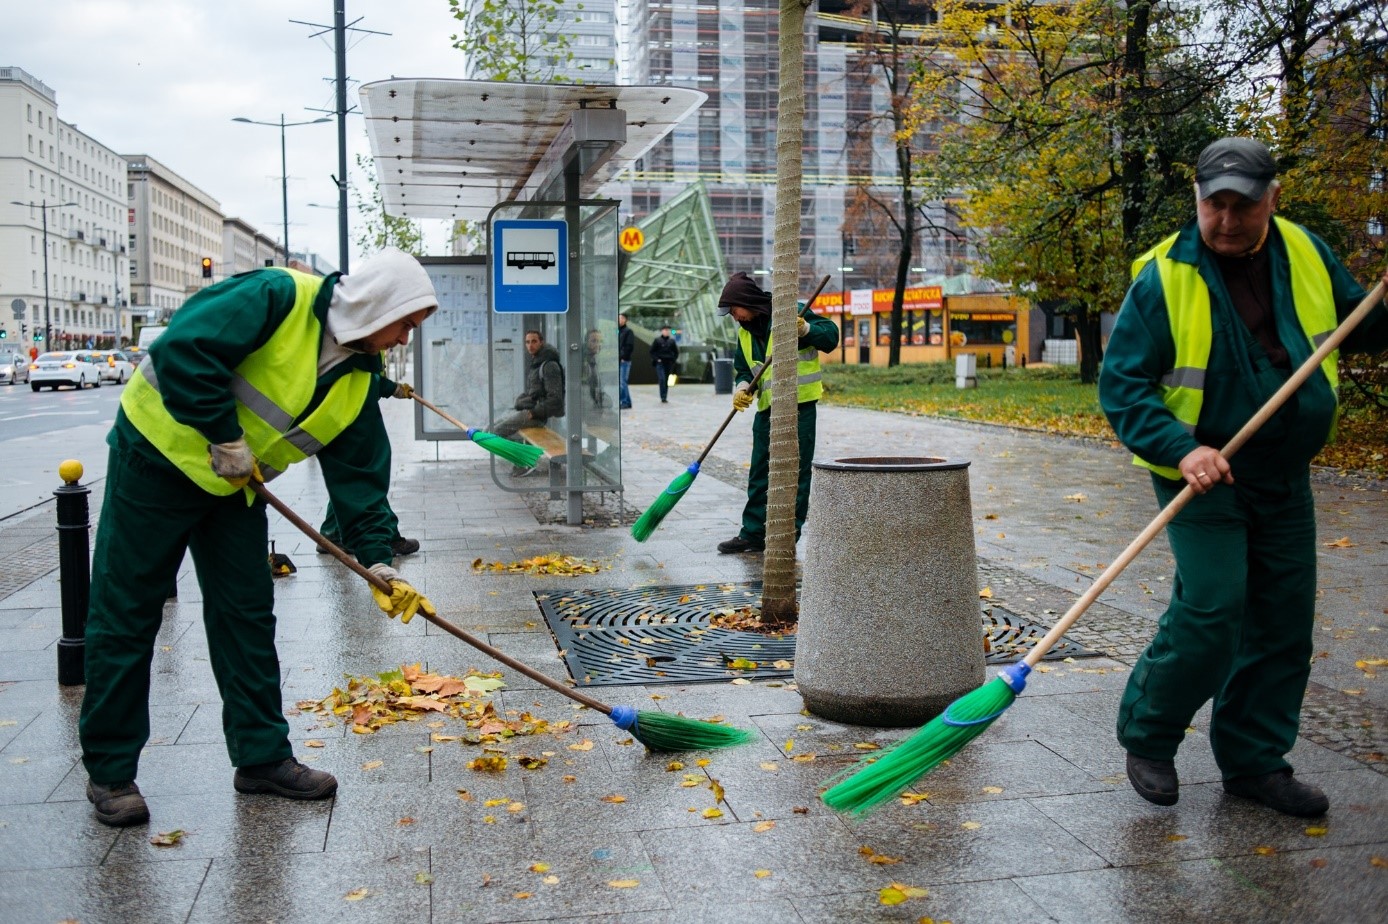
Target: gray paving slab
(1033, 821)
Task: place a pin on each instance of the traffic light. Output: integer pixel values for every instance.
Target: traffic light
(206, 267)
(4, 333)
(38, 335)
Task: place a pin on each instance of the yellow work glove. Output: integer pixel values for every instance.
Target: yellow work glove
(403, 601)
(233, 461)
(742, 398)
(802, 329)
(403, 390)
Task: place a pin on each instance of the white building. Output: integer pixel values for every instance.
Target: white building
(245, 248)
(74, 186)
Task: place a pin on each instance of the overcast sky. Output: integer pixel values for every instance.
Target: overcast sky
(166, 78)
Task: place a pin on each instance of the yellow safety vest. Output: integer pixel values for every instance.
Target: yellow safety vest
(808, 375)
(1188, 309)
(272, 387)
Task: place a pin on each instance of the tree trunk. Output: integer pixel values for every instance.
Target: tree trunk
(778, 601)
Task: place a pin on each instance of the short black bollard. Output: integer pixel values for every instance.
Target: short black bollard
(74, 572)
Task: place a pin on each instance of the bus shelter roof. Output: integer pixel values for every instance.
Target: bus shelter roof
(453, 149)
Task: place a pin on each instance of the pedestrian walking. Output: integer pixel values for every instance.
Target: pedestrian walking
(626, 347)
(750, 307)
(1218, 316)
(253, 374)
(665, 354)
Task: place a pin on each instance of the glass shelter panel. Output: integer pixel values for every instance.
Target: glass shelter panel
(585, 339)
(451, 349)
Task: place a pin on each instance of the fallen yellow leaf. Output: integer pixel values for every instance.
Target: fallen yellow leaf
(1263, 850)
(914, 798)
(986, 593)
(971, 826)
(357, 895)
(407, 820)
(712, 813)
(763, 827)
(762, 873)
(167, 838)
(992, 790)
(373, 764)
(1342, 543)
(614, 798)
(539, 867)
(584, 745)
(1317, 831)
(624, 883)
(422, 878)
(313, 743)
(1175, 837)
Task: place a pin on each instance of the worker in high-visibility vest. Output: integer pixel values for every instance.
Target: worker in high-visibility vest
(750, 306)
(1218, 317)
(253, 374)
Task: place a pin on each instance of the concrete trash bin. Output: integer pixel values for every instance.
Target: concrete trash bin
(890, 628)
(722, 376)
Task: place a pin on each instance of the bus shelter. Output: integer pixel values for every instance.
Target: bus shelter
(528, 163)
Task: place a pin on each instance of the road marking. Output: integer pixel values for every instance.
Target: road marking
(49, 414)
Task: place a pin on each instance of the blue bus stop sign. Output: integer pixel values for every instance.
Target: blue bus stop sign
(530, 266)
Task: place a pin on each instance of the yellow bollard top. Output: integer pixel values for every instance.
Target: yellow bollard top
(70, 470)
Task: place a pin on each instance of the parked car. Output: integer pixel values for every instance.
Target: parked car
(14, 368)
(114, 366)
(77, 368)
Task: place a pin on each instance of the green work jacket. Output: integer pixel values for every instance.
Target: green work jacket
(753, 351)
(230, 328)
(1135, 382)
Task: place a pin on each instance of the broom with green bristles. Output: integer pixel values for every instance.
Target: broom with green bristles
(522, 454)
(883, 776)
(646, 524)
(658, 731)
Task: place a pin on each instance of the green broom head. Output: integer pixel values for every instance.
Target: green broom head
(661, 731)
(522, 454)
(883, 776)
(645, 524)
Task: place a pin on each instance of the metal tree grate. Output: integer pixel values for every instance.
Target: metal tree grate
(662, 635)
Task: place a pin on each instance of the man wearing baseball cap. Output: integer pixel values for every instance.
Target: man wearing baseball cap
(750, 307)
(1217, 318)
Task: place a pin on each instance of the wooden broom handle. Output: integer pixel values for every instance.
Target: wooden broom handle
(755, 380)
(446, 416)
(1169, 512)
(383, 585)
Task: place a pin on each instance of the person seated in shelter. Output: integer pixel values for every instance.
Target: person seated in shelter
(543, 396)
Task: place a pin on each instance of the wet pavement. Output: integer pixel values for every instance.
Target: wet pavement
(1033, 821)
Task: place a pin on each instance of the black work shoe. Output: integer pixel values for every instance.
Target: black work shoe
(287, 778)
(1154, 780)
(1282, 791)
(119, 804)
(738, 544)
(403, 546)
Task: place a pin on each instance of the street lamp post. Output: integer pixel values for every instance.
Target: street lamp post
(284, 169)
(47, 317)
(844, 317)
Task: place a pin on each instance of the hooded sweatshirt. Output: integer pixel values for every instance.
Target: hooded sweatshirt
(385, 287)
(544, 385)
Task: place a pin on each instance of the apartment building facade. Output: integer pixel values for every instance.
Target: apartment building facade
(173, 226)
(63, 251)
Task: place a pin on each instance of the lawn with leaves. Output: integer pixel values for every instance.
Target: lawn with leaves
(1052, 399)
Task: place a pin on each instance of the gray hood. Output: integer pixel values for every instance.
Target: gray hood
(384, 288)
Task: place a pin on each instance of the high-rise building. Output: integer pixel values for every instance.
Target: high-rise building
(588, 29)
(71, 209)
(730, 51)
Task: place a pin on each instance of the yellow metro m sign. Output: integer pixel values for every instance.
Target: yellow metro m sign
(632, 239)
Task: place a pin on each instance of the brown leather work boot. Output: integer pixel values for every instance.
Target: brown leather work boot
(287, 778)
(119, 804)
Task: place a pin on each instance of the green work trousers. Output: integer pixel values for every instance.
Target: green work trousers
(332, 530)
(152, 514)
(759, 476)
(1237, 630)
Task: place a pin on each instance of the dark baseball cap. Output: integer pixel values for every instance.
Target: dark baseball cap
(1239, 165)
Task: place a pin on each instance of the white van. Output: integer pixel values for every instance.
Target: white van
(150, 334)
